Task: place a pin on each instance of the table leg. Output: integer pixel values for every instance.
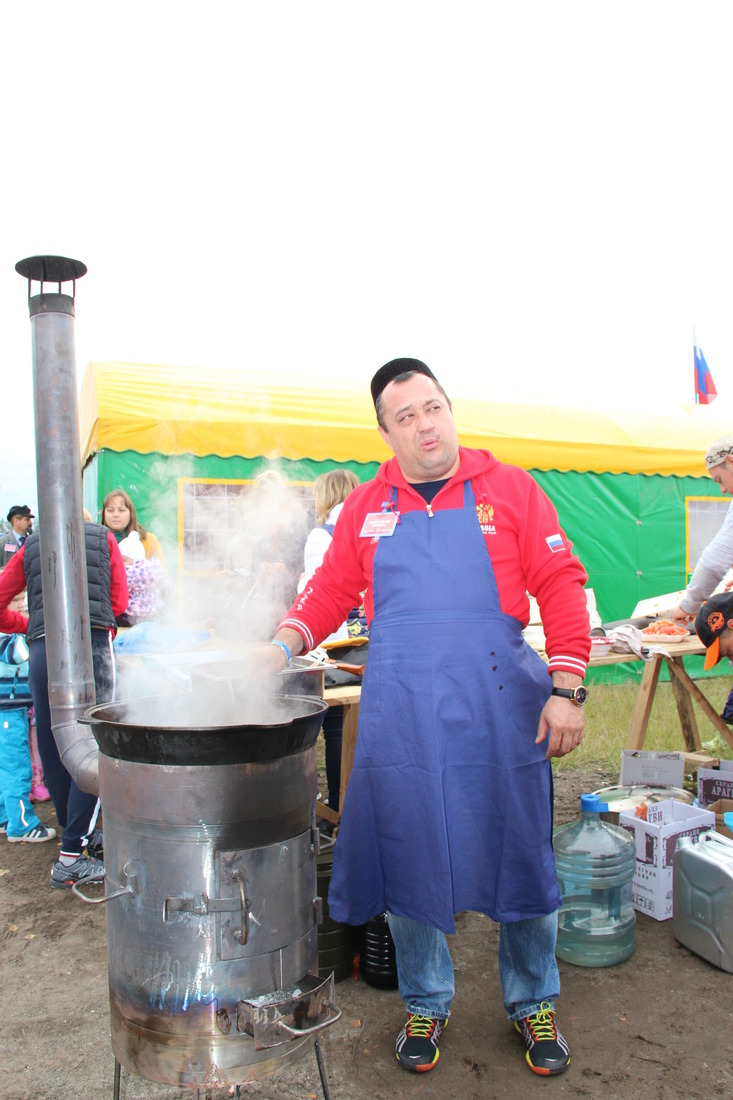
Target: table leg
(327, 813)
(644, 700)
(722, 727)
(690, 732)
(348, 746)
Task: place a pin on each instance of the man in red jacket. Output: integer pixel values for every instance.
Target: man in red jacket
(449, 804)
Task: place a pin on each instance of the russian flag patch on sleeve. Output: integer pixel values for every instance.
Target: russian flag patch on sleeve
(555, 543)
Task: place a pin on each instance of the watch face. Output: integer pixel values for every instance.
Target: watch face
(581, 695)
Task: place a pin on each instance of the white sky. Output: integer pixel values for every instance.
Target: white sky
(535, 198)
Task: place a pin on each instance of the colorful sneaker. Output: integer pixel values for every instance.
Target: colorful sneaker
(4, 827)
(417, 1043)
(39, 793)
(547, 1051)
(36, 835)
(81, 870)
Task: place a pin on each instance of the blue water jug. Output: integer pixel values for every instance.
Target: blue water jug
(595, 865)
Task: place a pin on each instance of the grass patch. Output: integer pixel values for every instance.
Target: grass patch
(608, 715)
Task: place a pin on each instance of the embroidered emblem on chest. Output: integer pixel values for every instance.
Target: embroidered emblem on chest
(485, 514)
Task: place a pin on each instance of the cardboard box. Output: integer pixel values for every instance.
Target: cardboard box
(722, 806)
(715, 783)
(651, 769)
(656, 839)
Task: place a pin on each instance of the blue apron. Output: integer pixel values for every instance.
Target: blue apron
(449, 804)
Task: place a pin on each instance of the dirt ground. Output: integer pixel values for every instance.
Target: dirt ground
(657, 1026)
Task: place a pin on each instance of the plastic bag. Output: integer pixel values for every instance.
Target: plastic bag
(153, 638)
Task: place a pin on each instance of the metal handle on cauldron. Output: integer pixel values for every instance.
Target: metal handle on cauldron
(309, 1030)
(201, 905)
(129, 871)
(265, 1020)
(244, 904)
(99, 901)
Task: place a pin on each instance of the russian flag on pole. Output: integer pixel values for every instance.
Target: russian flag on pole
(705, 391)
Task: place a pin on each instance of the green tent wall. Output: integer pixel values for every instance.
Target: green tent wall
(629, 526)
(629, 530)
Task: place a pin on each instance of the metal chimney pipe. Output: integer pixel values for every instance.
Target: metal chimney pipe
(71, 688)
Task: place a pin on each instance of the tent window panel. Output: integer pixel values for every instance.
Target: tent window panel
(705, 517)
(212, 517)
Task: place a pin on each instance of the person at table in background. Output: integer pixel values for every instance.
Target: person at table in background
(717, 557)
(20, 519)
(76, 811)
(330, 490)
(449, 805)
(118, 513)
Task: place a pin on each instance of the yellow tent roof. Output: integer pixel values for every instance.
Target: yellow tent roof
(185, 410)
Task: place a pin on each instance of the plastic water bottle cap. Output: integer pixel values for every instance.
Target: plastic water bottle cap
(591, 804)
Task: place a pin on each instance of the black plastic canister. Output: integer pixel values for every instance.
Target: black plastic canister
(335, 940)
(377, 964)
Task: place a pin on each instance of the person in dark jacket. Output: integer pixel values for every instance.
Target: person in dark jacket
(77, 811)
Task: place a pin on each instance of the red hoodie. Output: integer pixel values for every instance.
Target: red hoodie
(529, 552)
(13, 582)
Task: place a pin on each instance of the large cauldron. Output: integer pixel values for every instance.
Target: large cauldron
(210, 849)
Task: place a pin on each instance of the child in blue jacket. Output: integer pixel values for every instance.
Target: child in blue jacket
(17, 818)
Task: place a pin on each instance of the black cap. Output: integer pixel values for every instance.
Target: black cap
(20, 510)
(394, 368)
(712, 619)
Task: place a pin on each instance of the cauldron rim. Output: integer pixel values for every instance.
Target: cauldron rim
(206, 745)
(311, 704)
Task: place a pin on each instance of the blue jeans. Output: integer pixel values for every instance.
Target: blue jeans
(527, 965)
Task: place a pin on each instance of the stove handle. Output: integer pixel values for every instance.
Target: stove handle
(100, 901)
(298, 1031)
(129, 871)
(244, 905)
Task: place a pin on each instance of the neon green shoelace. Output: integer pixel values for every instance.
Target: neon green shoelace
(421, 1027)
(542, 1024)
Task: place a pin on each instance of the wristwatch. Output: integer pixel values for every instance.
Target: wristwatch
(579, 695)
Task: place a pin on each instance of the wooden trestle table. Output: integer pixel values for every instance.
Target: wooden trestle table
(685, 691)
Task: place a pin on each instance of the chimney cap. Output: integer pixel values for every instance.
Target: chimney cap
(50, 269)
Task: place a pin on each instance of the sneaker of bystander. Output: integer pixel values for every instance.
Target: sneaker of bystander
(36, 835)
(83, 869)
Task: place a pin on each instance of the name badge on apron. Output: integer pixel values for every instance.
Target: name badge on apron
(378, 524)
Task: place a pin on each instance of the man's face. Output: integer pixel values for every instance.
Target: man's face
(21, 524)
(725, 643)
(722, 475)
(420, 429)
